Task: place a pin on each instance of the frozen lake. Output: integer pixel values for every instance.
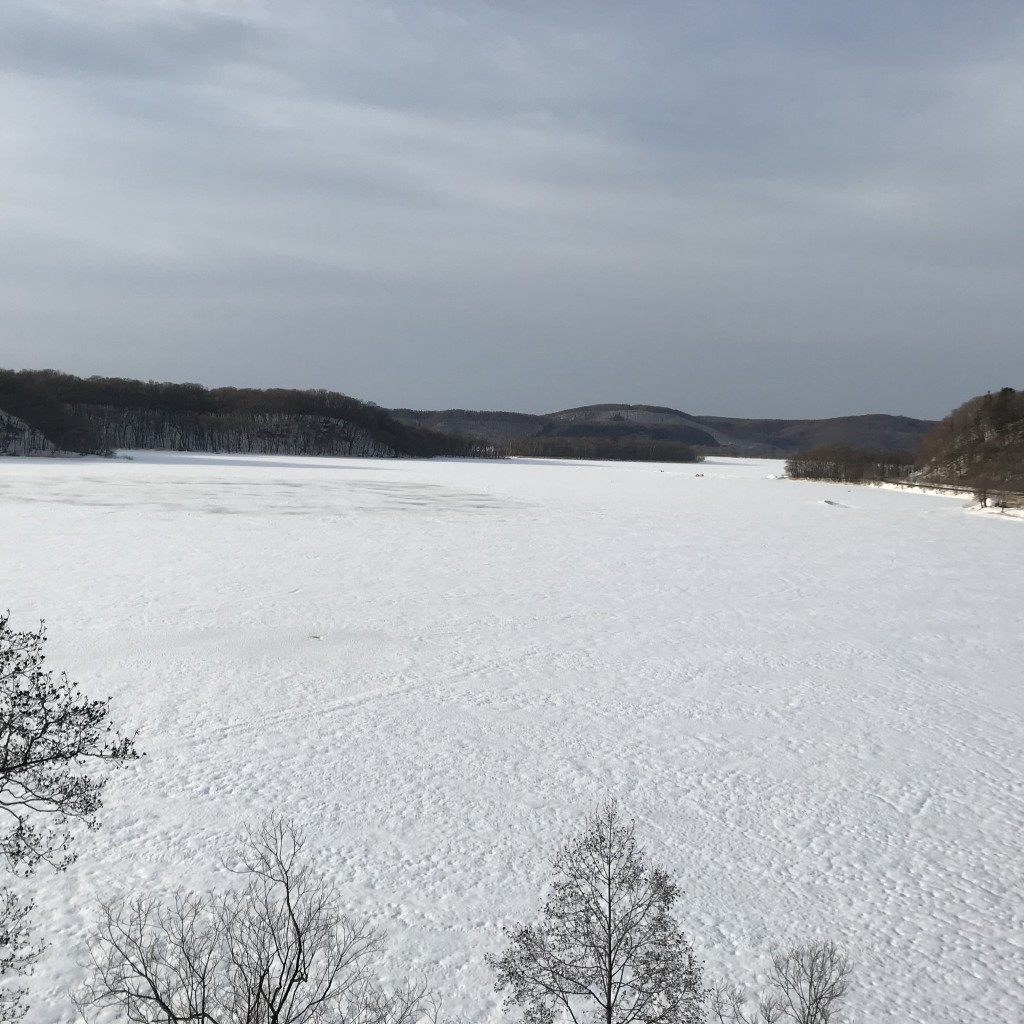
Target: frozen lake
(809, 696)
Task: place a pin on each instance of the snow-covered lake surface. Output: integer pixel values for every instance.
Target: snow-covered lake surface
(809, 697)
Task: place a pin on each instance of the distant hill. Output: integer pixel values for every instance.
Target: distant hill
(707, 434)
(877, 431)
(44, 410)
(979, 445)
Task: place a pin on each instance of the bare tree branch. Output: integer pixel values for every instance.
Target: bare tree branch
(807, 986)
(276, 950)
(49, 733)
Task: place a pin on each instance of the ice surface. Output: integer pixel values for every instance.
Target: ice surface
(808, 695)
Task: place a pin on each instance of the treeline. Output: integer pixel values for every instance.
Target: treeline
(481, 415)
(100, 414)
(979, 445)
(845, 464)
(611, 448)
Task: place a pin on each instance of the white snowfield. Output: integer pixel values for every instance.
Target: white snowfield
(809, 696)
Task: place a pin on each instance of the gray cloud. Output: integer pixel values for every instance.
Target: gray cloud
(737, 208)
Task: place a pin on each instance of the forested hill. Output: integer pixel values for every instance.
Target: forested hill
(978, 445)
(664, 426)
(45, 410)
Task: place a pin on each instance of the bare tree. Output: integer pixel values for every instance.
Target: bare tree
(806, 986)
(17, 952)
(812, 980)
(276, 950)
(607, 947)
(732, 1006)
(49, 733)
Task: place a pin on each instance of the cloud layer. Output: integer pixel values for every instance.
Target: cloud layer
(734, 208)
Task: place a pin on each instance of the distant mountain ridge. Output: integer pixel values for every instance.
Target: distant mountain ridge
(777, 438)
(44, 410)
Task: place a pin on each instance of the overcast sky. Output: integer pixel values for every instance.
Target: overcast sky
(753, 209)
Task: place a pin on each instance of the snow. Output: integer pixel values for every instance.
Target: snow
(808, 695)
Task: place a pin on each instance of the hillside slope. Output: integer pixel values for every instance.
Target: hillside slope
(18, 438)
(978, 445)
(101, 414)
(726, 435)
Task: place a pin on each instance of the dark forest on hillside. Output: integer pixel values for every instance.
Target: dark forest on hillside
(100, 414)
(610, 448)
(978, 447)
(846, 464)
